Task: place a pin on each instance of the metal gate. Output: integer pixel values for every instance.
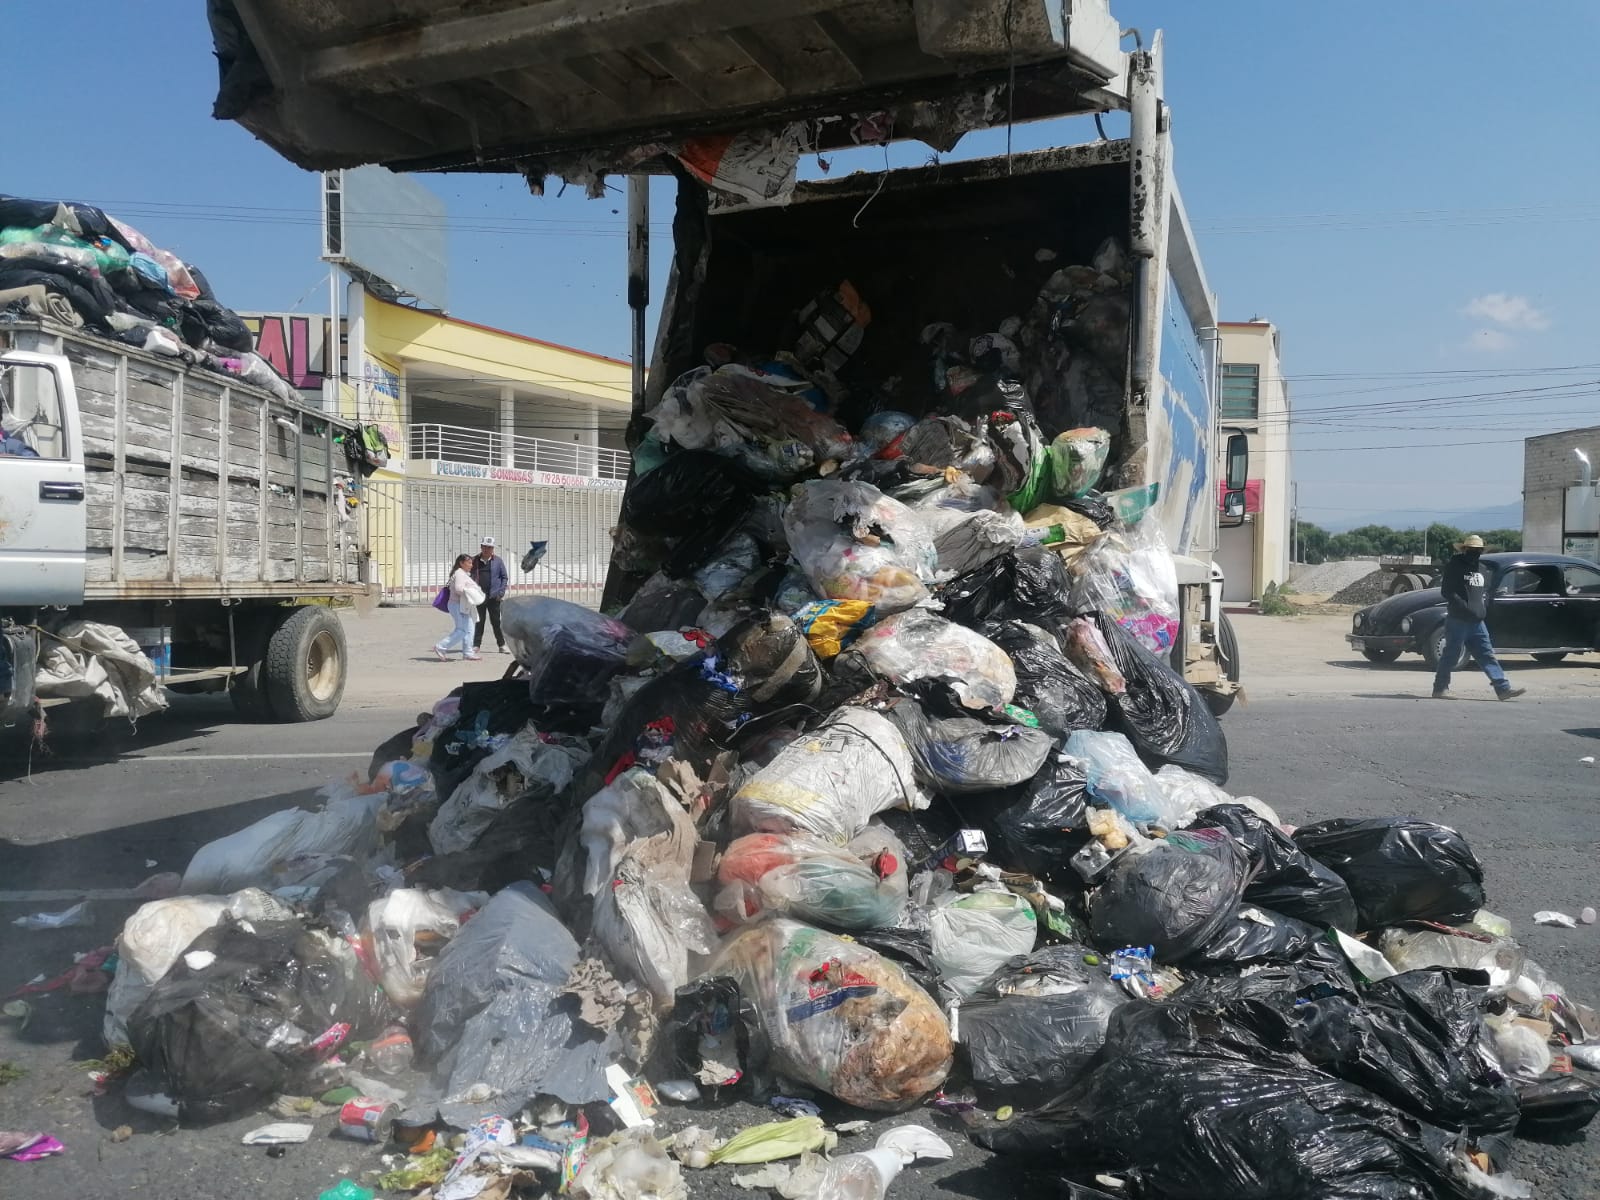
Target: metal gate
(416, 528)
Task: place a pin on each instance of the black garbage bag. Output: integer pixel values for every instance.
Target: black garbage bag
(1095, 509)
(1254, 935)
(1556, 1110)
(663, 603)
(1415, 1040)
(697, 497)
(489, 708)
(711, 1030)
(1175, 896)
(1029, 584)
(1062, 697)
(1284, 877)
(247, 1011)
(1398, 869)
(1161, 713)
(1190, 1100)
(960, 755)
(1048, 823)
(1033, 1026)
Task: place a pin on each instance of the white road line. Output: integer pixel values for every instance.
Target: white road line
(241, 757)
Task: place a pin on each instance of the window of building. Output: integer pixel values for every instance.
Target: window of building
(1241, 391)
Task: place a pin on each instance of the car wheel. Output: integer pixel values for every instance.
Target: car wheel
(1550, 658)
(1433, 649)
(1375, 655)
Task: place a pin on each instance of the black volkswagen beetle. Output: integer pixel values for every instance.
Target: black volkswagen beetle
(1544, 605)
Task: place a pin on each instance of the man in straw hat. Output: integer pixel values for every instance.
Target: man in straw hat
(1466, 596)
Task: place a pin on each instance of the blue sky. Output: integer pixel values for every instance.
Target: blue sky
(1408, 190)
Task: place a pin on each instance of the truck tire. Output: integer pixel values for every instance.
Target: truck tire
(1401, 583)
(1228, 654)
(303, 672)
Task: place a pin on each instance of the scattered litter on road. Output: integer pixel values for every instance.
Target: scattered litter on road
(1549, 916)
(281, 1133)
(28, 1147)
(69, 918)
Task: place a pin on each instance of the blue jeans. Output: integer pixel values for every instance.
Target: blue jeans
(1474, 635)
(460, 635)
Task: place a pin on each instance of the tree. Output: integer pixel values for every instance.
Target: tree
(1317, 545)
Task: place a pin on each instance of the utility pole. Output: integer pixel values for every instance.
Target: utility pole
(1294, 522)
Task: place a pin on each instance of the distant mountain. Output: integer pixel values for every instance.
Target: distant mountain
(1503, 516)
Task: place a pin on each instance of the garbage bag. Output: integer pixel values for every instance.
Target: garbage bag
(663, 603)
(917, 646)
(980, 538)
(1061, 696)
(1472, 949)
(1119, 779)
(714, 1036)
(859, 886)
(693, 491)
(831, 781)
(960, 755)
(972, 934)
(408, 928)
(1284, 877)
(1173, 894)
(839, 1016)
(246, 1011)
(569, 651)
(1131, 577)
(1077, 456)
(737, 412)
(1165, 718)
(345, 825)
(1254, 935)
(831, 626)
(1193, 1107)
(154, 936)
(531, 760)
(855, 543)
(491, 1017)
(1030, 584)
(651, 923)
(1398, 869)
(948, 441)
(1556, 1109)
(1032, 1027)
(1049, 822)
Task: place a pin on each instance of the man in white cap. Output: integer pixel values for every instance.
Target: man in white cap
(490, 574)
(1466, 596)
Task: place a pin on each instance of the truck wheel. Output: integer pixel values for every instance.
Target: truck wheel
(1228, 653)
(1432, 647)
(1377, 655)
(304, 670)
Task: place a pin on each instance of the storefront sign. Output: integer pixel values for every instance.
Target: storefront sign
(457, 470)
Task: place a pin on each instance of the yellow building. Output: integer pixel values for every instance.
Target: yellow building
(1255, 399)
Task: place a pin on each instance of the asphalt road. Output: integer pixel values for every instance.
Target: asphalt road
(1321, 736)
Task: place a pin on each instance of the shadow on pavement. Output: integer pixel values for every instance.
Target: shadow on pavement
(67, 748)
(1585, 733)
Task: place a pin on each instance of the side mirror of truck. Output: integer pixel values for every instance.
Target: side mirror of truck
(1238, 463)
(1233, 506)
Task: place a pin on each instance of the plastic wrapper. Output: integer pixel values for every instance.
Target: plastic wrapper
(1030, 584)
(880, 434)
(1173, 894)
(978, 539)
(973, 934)
(855, 543)
(1049, 822)
(258, 855)
(153, 937)
(1119, 779)
(831, 626)
(1032, 1027)
(860, 886)
(1077, 456)
(1398, 869)
(530, 760)
(1161, 713)
(408, 928)
(839, 1016)
(1273, 1127)
(1414, 949)
(915, 646)
(831, 781)
(246, 1011)
(569, 651)
(1061, 696)
(1284, 878)
(960, 755)
(490, 1020)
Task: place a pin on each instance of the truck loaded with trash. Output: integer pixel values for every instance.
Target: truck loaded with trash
(879, 788)
(172, 513)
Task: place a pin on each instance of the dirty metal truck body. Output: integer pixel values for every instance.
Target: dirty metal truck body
(201, 515)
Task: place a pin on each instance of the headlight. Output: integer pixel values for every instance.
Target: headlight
(1361, 619)
(1405, 625)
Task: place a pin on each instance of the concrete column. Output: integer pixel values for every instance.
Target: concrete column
(508, 425)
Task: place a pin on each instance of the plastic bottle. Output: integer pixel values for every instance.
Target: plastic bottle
(862, 1176)
(391, 1052)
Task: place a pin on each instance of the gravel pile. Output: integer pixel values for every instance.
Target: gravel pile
(1324, 579)
(1369, 589)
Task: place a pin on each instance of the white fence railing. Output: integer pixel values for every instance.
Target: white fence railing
(484, 447)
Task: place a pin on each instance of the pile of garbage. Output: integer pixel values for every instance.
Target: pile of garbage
(879, 793)
(79, 266)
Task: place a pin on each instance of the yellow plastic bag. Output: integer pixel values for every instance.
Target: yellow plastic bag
(831, 625)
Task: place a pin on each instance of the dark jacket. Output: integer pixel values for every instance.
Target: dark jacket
(492, 576)
(1466, 588)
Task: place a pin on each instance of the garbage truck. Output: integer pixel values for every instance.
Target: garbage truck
(163, 525)
(729, 98)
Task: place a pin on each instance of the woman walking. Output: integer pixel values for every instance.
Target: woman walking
(464, 596)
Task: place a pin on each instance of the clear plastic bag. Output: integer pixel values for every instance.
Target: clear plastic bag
(568, 650)
(975, 934)
(740, 413)
(1119, 779)
(404, 924)
(839, 1016)
(831, 781)
(855, 543)
(861, 886)
(1415, 949)
(1131, 578)
(735, 560)
(347, 824)
(919, 645)
(1085, 647)
(652, 925)
(1077, 457)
